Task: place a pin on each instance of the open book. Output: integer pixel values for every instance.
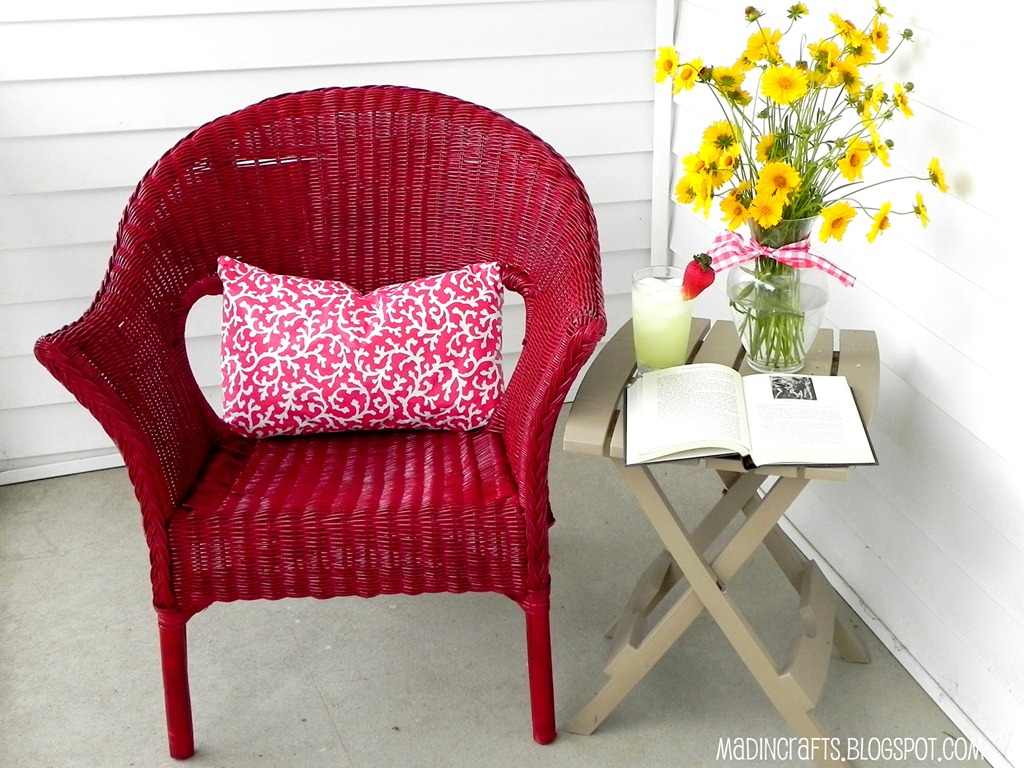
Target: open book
(706, 409)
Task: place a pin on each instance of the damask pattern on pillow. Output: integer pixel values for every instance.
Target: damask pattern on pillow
(304, 356)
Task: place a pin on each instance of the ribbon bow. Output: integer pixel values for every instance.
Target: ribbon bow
(730, 249)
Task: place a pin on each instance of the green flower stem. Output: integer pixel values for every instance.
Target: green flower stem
(771, 322)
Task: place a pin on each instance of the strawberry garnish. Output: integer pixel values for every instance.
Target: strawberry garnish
(697, 276)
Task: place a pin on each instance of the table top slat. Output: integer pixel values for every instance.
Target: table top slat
(819, 355)
(858, 362)
(594, 410)
(722, 345)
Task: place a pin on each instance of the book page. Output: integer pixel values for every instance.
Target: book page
(796, 419)
(693, 409)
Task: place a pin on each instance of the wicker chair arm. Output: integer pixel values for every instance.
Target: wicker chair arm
(132, 373)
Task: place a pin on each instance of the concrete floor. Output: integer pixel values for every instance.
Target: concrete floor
(393, 681)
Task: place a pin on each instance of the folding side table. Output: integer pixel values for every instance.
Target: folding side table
(594, 427)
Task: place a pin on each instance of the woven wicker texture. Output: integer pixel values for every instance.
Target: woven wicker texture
(371, 186)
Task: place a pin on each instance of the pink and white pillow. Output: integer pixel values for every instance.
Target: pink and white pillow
(303, 356)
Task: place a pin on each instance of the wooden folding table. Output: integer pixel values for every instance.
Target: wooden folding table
(762, 495)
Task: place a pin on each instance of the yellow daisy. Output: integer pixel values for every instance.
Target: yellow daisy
(739, 97)
(766, 210)
(880, 150)
(899, 98)
(871, 100)
(777, 179)
(843, 27)
(848, 75)
(696, 187)
(880, 36)
(936, 175)
(687, 75)
(881, 222)
(825, 54)
(685, 193)
(920, 210)
(763, 45)
(851, 165)
(784, 84)
(859, 47)
(734, 213)
(716, 166)
(728, 79)
(836, 217)
(696, 162)
(666, 64)
(722, 136)
(764, 147)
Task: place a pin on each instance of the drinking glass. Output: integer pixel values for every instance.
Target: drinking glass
(661, 317)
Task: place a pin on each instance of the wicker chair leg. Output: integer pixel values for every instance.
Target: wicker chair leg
(537, 606)
(177, 702)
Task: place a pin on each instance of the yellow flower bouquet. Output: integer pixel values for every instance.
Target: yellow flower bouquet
(791, 156)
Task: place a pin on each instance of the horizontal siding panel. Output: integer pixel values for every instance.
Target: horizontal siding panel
(48, 284)
(57, 163)
(592, 129)
(51, 430)
(24, 323)
(53, 273)
(936, 513)
(616, 178)
(907, 275)
(157, 102)
(925, 361)
(28, 385)
(119, 159)
(63, 10)
(91, 217)
(181, 44)
(60, 218)
(975, 477)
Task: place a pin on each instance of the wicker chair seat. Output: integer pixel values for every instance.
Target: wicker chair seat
(351, 514)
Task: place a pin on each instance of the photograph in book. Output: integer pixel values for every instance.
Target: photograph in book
(707, 409)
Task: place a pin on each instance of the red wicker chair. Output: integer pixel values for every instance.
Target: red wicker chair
(370, 186)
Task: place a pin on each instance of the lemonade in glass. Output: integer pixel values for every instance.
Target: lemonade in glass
(661, 317)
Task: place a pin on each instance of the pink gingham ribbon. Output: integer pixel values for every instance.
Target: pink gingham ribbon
(730, 249)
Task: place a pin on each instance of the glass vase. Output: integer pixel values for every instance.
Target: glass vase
(777, 308)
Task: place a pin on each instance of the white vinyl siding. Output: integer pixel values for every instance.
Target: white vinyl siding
(94, 92)
(929, 546)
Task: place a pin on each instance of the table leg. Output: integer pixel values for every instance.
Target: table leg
(629, 659)
(795, 690)
(792, 562)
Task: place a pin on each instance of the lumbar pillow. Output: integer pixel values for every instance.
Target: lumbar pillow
(302, 356)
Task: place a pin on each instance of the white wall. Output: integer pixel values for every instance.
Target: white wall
(92, 93)
(928, 546)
